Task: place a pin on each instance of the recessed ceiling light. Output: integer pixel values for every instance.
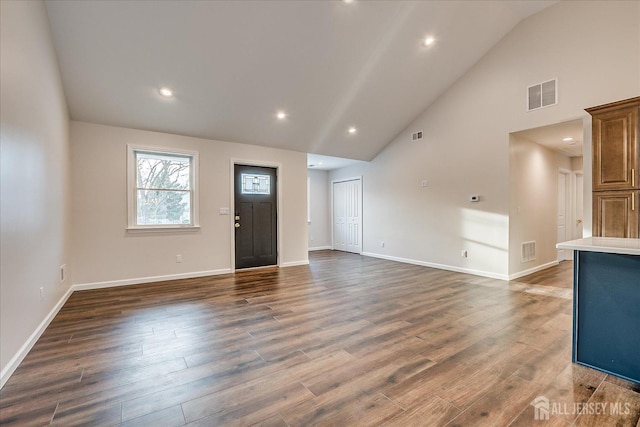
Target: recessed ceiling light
(320, 163)
(429, 41)
(352, 130)
(567, 139)
(281, 115)
(166, 92)
(348, 1)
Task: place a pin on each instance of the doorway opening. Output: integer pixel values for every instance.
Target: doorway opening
(546, 193)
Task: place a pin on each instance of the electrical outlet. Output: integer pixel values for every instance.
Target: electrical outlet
(424, 183)
(41, 293)
(178, 258)
(463, 253)
(63, 273)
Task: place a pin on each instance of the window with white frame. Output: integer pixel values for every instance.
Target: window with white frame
(162, 188)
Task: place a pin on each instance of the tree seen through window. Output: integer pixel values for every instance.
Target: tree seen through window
(163, 186)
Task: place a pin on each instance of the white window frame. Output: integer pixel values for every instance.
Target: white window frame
(132, 200)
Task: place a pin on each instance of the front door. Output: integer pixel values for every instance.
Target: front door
(255, 214)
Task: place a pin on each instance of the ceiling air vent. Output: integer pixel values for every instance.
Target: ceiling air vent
(416, 136)
(528, 252)
(542, 95)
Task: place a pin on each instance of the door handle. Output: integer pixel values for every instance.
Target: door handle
(579, 221)
(236, 225)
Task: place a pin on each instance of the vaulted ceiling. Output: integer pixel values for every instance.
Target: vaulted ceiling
(233, 65)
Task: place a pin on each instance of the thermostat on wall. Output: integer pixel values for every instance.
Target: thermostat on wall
(474, 198)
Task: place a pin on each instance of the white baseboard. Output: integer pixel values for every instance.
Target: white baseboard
(320, 248)
(520, 274)
(294, 263)
(439, 266)
(150, 279)
(31, 341)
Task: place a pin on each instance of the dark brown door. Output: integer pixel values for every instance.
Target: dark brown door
(255, 216)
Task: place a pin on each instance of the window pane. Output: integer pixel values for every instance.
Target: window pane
(256, 184)
(157, 207)
(162, 171)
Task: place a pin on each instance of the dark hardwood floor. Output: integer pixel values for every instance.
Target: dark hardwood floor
(348, 340)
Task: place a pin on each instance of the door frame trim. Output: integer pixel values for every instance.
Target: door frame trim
(260, 163)
(361, 201)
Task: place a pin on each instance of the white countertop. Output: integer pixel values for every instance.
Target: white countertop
(611, 245)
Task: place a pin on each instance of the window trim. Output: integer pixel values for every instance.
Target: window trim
(131, 189)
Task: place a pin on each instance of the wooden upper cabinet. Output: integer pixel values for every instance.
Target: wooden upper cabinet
(615, 213)
(615, 145)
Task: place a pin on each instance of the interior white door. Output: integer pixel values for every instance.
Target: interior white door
(347, 216)
(579, 206)
(562, 213)
(339, 217)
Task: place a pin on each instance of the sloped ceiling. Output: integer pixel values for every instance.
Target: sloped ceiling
(233, 65)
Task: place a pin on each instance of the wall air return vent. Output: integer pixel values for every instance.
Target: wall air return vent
(416, 135)
(528, 252)
(542, 95)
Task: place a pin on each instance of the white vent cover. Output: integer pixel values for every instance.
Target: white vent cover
(416, 136)
(528, 252)
(542, 95)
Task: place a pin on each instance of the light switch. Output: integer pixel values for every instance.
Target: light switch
(224, 211)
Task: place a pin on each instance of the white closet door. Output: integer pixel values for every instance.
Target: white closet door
(339, 217)
(347, 216)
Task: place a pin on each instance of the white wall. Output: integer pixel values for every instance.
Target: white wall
(320, 225)
(34, 147)
(577, 163)
(533, 178)
(103, 251)
(593, 49)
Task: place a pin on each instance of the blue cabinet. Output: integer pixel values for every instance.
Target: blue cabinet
(606, 315)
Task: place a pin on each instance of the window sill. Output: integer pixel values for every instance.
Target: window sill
(167, 229)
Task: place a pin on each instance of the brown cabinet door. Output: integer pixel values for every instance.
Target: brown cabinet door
(615, 149)
(615, 214)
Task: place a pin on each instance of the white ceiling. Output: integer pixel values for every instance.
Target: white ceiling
(552, 136)
(320, 162)
(234, 64)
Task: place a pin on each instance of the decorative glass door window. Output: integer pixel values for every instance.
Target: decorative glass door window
(256, 184)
